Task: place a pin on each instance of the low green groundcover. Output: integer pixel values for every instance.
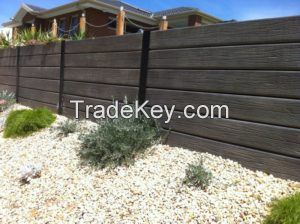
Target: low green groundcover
(285, 211)
(22, 123)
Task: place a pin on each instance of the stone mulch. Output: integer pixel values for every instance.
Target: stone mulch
(150, 191)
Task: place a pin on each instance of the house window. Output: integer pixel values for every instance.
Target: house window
(62, 27)
(74, 26)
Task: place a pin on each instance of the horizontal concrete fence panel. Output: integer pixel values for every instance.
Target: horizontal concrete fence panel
(9, 52)
(284, 84)
(8, 62)
(40, 60)
(39, 95)
(35, 103)
(8, 71)
(104, 60)
(266, 31)
(10, 88)
(259, 136)
(8, 80)
(253, 67)
(265, 57)
(40, 84)
(82, 108)
(125, 43)
(283, 166)
(127, 77)
(102, 91)
(249, 108)
(40, 72)
(51, 48)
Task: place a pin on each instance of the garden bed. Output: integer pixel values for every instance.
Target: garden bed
(150, 190)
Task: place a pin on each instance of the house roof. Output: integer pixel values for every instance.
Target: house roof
(174, 11)
(114, 5)
(35, 8)
(127, 7)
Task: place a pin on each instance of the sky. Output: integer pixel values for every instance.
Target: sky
(224, 9)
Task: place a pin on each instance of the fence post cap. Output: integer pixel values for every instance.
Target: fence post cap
(122, 8)
(164, 17)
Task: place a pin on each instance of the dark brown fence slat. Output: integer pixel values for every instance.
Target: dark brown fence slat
(103, 75)
(35, 104)
(100, 91)
(249, 32)
(265, 83)
(40, 72)
(71, 113)
(270, 138)
(8, 61)
(43, 96)
(282, 166)
(50, 48)
(131, 42)
(9, 52)
(8, 80)
(8, 88)
(40, 84)
(104, 60)
(9, 71)
(271, 57)
(250, 108)
(87, 101)
(40, 60)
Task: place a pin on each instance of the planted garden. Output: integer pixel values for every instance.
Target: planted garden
(27, 37)
(55, 169)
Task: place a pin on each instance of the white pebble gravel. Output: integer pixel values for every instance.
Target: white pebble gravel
(150, 191)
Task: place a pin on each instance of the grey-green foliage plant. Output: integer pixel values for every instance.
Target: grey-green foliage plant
(68, 127)
(197, 176)
(6, 99)
(117, 142)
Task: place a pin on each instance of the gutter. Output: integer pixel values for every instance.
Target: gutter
(193, 12)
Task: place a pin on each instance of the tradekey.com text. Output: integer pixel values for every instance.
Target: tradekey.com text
(127, 111)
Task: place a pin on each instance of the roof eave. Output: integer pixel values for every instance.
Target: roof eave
(83, 4)
(193, 12)
(11, 24)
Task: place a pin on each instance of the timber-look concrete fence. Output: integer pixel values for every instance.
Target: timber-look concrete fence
(253, 67)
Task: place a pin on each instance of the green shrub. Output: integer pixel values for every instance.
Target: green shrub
(117, 142)
(68, 127)
(8, 98)
(24, 122)
(197, 176)
(285, 211)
